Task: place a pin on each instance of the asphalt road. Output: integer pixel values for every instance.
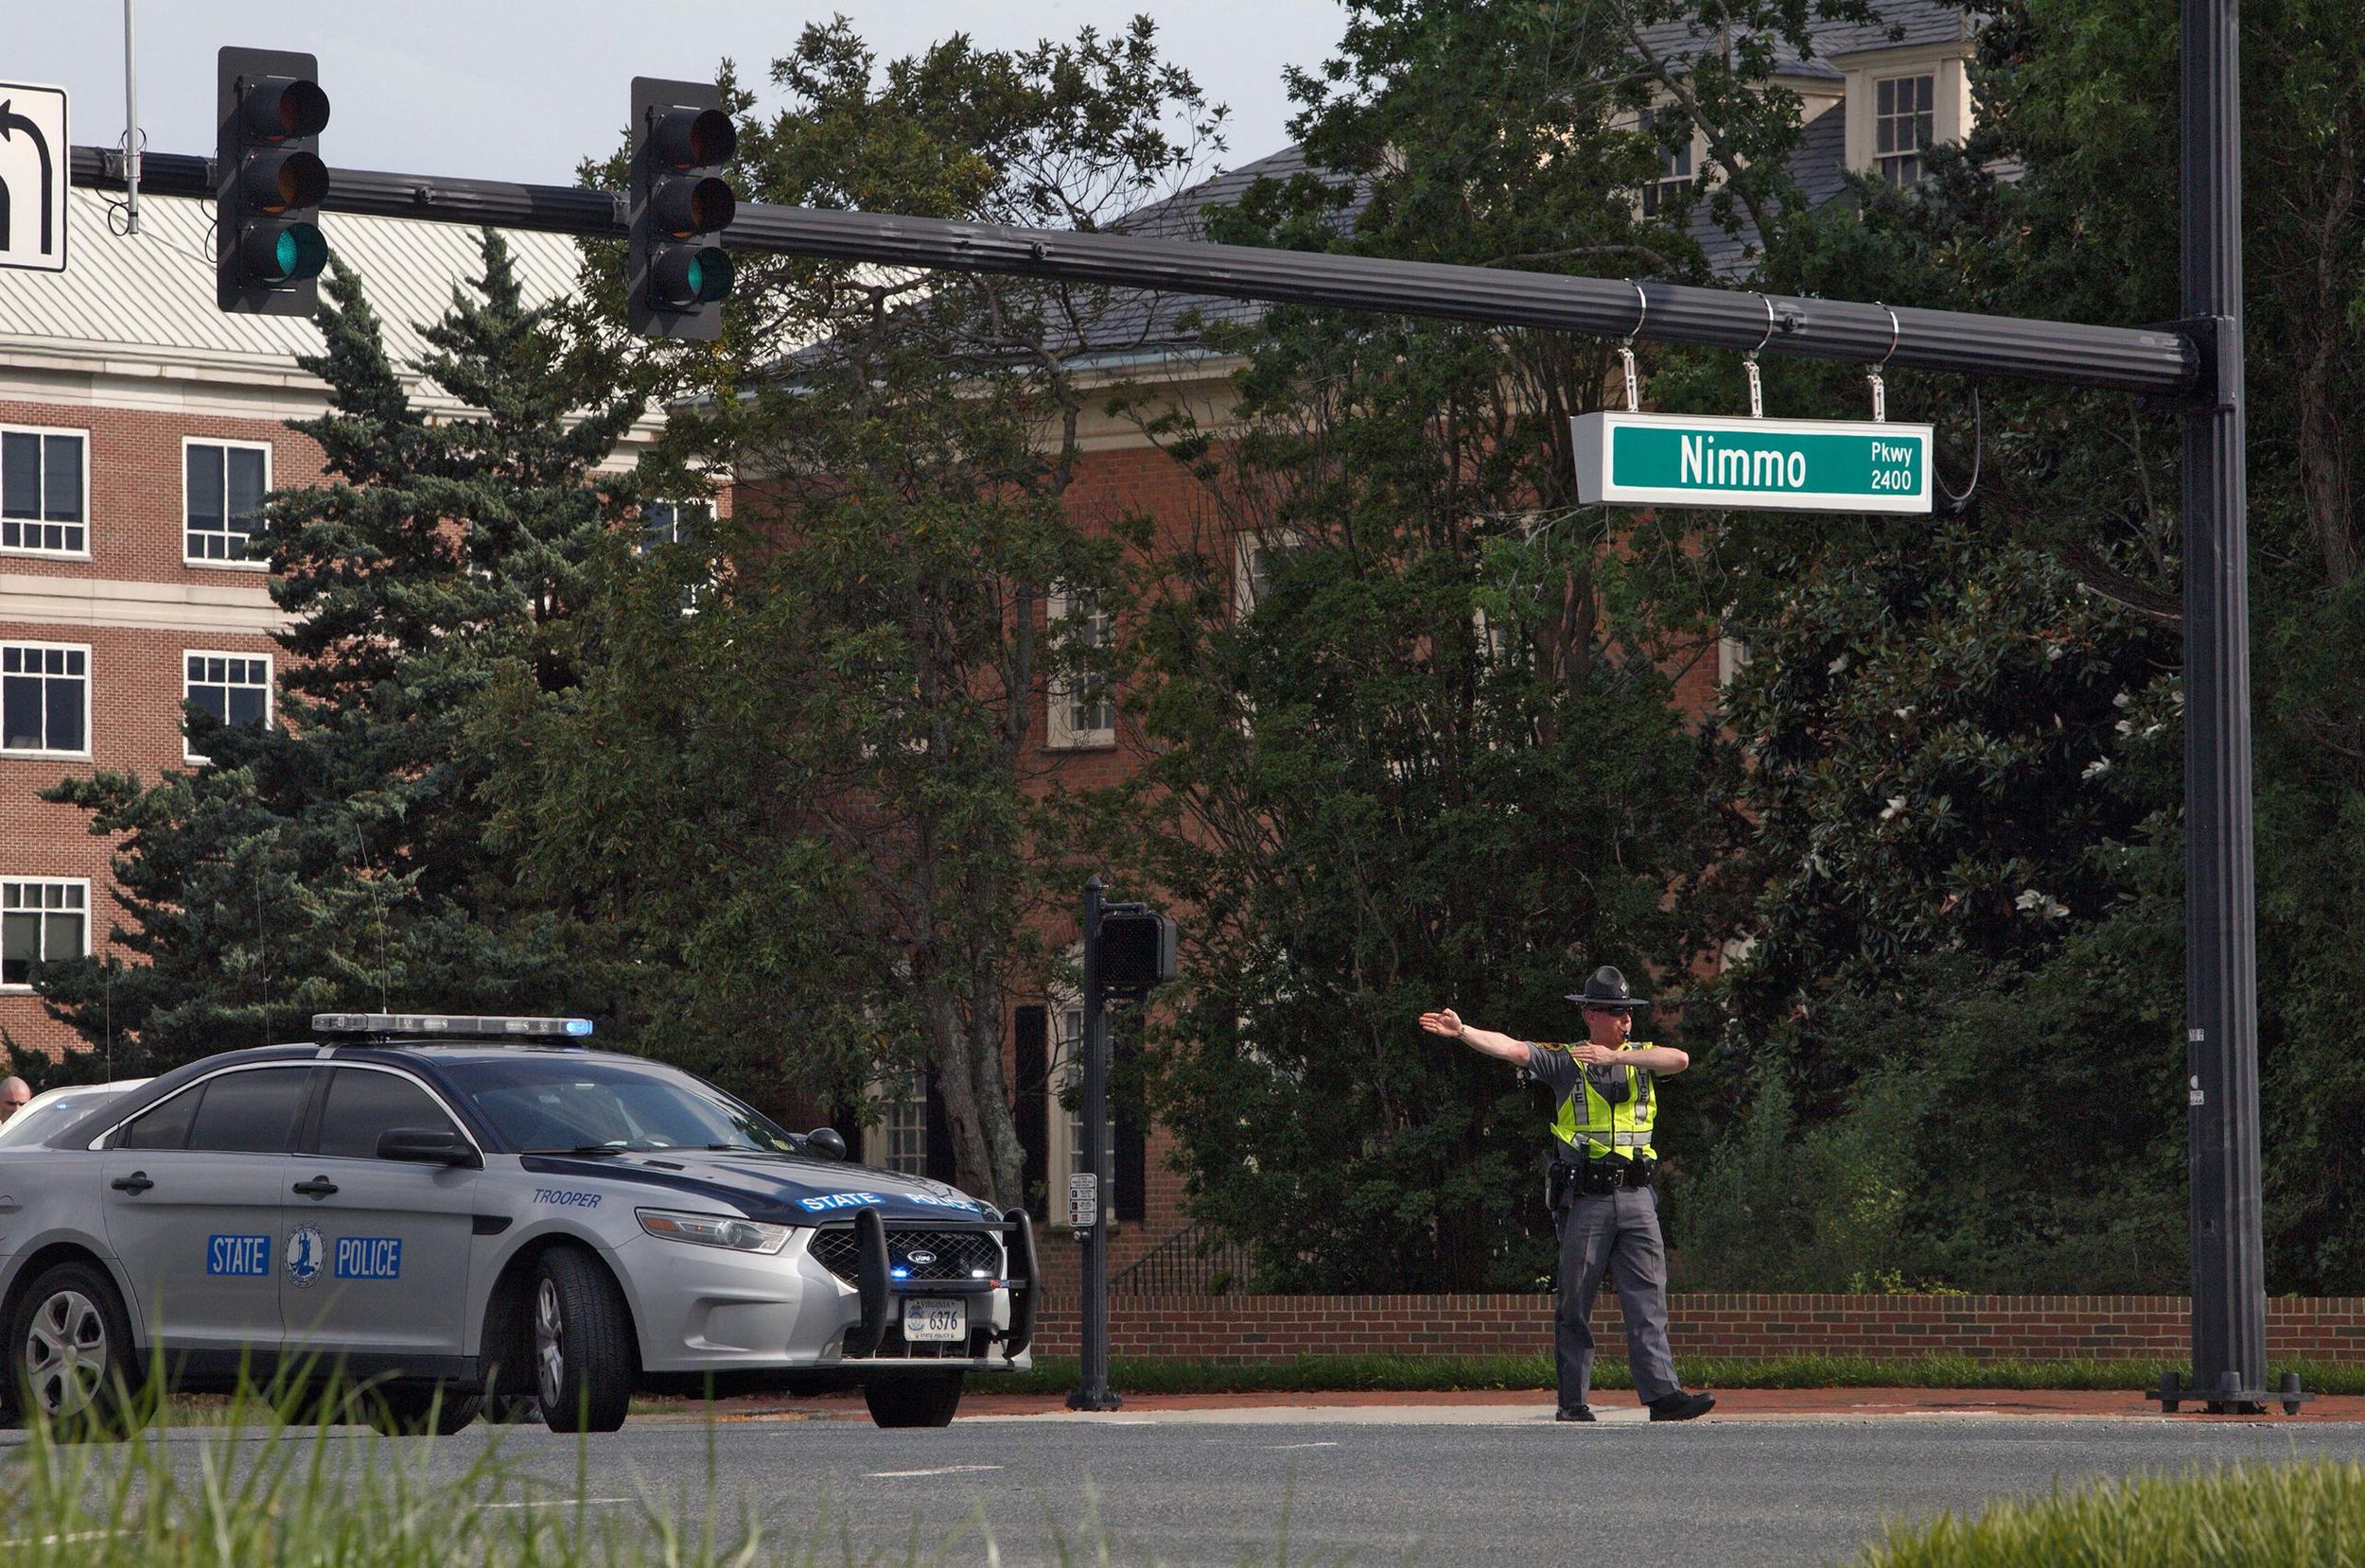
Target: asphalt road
(1439, 1487)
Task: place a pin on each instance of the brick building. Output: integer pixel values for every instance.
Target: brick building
(139, 426)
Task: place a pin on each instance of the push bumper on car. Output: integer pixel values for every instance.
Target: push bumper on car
(881, 1296)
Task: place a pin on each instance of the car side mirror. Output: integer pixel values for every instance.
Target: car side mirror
(427, 1146)
(827, 1142)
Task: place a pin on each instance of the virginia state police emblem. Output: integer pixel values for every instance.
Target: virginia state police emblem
(306, 1248)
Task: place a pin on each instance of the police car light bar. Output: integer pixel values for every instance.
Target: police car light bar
(457, 1026)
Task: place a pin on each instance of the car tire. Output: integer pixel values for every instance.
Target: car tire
(69, 1358)
(413, 1411)
(582, 1338)
(917, 1399)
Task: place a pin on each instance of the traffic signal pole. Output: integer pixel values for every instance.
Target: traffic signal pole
(1091, 1391)
(2196, 364)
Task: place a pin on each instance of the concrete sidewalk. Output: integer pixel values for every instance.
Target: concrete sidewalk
(1491, 1407)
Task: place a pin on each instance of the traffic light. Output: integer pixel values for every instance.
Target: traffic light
(269, 182)
(675, 277)
(1137, 948)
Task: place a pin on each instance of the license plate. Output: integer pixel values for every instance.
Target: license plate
(936, 1320)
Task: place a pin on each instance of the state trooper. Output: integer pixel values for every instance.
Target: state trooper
(1600, 1188)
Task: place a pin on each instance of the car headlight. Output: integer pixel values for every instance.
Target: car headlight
(714, 1230)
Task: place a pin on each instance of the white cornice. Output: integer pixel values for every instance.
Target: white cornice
(29, 600)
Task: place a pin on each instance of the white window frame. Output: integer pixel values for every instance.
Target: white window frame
(1061, 732)
(1889, 163)
(89, 676)
(1677, 169)
(1245, 546)
(641, 546)
(15, 989)
(1952, 114)
(1064, 1129)
(898, 1098)
(42, 550)
(271, 681)
(228, 444)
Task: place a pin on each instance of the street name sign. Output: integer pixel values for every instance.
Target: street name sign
(35, 160)
(1780, 465)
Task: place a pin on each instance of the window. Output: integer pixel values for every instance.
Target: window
(222, 499)
(1674, 179)
(250, 1112)
(1082, 700)
(234, 688)
(903, 1127)
(363, 1104)
(165, 1127)
(41, 922)
(1904, 112)
(44, 479)
(1258, 555)
(45, 698)
(664, 523)
(1067, 1083)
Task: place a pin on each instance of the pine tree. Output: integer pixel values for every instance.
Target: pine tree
(337, 859)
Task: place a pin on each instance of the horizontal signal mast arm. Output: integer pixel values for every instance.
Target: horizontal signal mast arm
(2161, 361)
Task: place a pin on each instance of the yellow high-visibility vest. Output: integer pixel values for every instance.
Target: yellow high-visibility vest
(1609, 1130)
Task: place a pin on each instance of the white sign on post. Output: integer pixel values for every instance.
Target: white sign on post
(1083, 1200)
(35, 161)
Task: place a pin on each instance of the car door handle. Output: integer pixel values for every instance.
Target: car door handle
(319, 1187)
(137, 1182)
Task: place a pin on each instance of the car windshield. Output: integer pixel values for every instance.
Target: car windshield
(48, 1114)
(541, 1105)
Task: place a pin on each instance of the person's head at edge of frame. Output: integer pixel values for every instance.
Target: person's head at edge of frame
(1609, 1006)
(14, 1093)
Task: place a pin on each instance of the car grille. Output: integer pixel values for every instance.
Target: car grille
(954, 1254)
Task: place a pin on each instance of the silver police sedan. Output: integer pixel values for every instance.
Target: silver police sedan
(443, 1211)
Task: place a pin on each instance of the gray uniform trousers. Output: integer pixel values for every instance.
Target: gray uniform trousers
(1613, 1230)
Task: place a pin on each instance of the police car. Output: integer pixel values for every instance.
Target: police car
(452, 1210)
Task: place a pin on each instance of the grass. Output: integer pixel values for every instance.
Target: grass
(2279, 1516)
(1344, 1373)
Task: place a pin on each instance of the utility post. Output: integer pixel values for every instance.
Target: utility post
(2221, 924)
(1128, 953)
(1092, 1392)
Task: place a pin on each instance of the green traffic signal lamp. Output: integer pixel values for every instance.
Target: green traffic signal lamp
(278, 254)
(683, 276)
(268, 182)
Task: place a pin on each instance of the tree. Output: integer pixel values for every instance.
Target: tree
(1973, 908)
(1436, 754)
(827, 847)
(337, 859)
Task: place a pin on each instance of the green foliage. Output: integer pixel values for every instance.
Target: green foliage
(2238, 1516)
(1439, 758)
(337, 859)
(808, 817)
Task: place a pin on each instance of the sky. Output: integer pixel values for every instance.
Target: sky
(524, 89)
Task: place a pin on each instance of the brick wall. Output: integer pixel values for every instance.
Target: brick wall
(1985, 1327)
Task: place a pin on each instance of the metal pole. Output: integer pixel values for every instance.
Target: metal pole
(2220, 929)
(131, 130)
(1092, 1392)
(2141, 360)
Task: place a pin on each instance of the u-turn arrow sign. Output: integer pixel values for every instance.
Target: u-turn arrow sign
(34, 157)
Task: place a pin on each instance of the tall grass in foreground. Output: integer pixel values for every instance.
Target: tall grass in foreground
(2242, 1516)
(261, 1482)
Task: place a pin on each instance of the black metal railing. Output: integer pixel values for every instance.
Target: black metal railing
(1195, 1261)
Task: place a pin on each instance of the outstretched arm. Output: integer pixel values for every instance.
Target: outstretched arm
(1486, 1042)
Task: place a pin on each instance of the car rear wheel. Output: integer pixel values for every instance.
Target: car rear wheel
(69, 1355)
(583, 1360)
(915, 1399)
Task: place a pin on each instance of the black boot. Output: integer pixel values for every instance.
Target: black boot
(1680, 1406)
(1573, 1413)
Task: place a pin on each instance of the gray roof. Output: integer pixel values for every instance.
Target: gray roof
(1902, 23)
(154, 292)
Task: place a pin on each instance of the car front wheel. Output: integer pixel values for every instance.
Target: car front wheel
(583, 1360)
(70, 1350)
(915, 1399)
